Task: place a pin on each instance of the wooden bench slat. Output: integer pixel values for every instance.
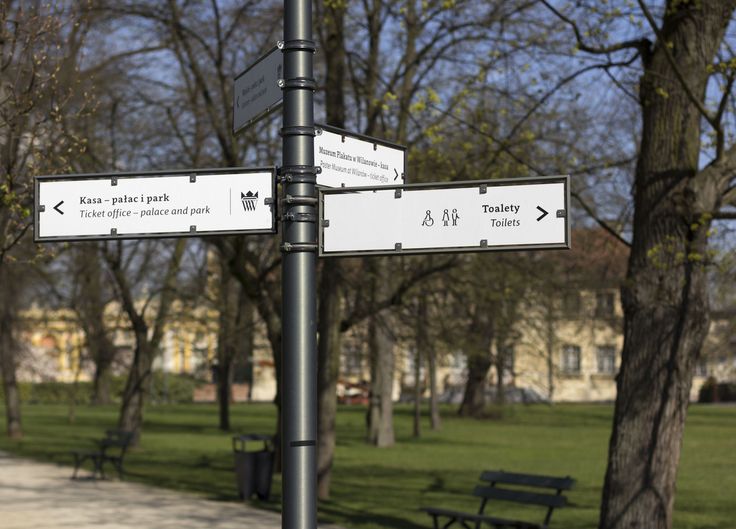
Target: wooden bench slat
(520, 496)
(499, 476)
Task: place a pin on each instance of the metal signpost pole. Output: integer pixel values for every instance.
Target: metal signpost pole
(299, 248)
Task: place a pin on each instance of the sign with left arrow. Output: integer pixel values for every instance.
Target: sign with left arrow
(161, 204)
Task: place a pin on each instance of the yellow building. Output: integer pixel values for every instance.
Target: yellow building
(55, 349)
(568, 347)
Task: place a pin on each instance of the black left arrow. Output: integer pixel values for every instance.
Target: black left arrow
(544, 213)
(56, 207)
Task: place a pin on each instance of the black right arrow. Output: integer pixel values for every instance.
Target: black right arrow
(544, 213)
(56, 207)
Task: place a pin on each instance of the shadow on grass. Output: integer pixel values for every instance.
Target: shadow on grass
(356, 517)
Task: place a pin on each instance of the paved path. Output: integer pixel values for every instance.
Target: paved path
(41, 496)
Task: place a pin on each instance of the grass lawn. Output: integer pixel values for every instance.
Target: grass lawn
(380, 488)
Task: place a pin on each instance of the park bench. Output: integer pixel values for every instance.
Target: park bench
(526, 489)
(110, 449)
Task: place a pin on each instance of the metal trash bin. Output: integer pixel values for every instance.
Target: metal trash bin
(254, 469)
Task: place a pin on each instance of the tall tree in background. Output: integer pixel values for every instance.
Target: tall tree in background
(235, 335)
(665, 297)
(331, 33)
(148, 333)
(40, 80)
(91, 298)
(204, 45)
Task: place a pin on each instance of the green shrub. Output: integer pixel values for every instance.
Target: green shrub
(54, 392)
(714, 391)
(172, 388)
(175, 389)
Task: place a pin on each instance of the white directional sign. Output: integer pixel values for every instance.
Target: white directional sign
(256, 90)
(173, 203)
(453, 217)
(352, 160)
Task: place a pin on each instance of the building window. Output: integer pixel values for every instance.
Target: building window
(507, 358)
(701, 369)
(571, 304)
(606, 355)
(352, 361)
(604, 304)
(571, 359)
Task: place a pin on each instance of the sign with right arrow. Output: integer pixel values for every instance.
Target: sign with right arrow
(514, 214)
(347, 159)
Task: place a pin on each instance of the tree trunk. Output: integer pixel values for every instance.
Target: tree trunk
(381, 427)
(665, 295)
(101, 385)
(8, 350)
(417, 430)
(500, 388)
(480, 338)
(551, 340)
(136, 388)
(328, 369)
(10, 384)
(224, 394)
(102, 352)
(266, 297)
(422, 345)
(227, 339)
(139, 380)
(90, 302)
(435, 422)
(474, 396)
(332, 37)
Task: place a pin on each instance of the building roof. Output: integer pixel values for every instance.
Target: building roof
(596, 259)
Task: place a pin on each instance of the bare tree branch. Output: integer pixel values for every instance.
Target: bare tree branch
(725, 215)
(642, 45)
(678, 73)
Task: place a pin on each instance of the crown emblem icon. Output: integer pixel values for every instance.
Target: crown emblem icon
(249, 200)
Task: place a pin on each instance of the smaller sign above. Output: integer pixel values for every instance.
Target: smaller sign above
(353, 160)
(256, 91)
(516, 214)
(169, 204)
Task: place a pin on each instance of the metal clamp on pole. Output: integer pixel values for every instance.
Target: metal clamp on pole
(305, 83)
(298, 131)
(298, 44)
(300, 174)
(300, 217)
(291, 247)
(303, 201)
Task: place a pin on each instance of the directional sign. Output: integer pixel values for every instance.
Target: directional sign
(256, 92)
(353, 160)
(173, 203)
(485, 215)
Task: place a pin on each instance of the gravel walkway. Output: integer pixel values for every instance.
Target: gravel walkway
(41, 496)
